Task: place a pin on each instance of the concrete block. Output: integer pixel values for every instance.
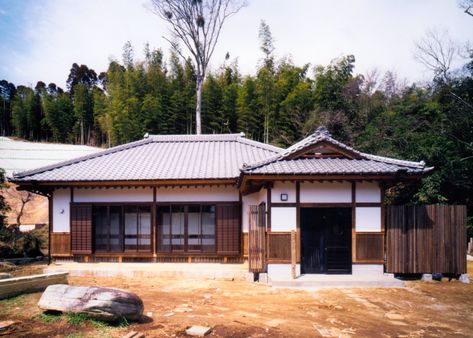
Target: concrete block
(263, 278)
(15, 286)
(250, 277)
(4, 275)
(426, 277)
(198, 331)
(464, 278)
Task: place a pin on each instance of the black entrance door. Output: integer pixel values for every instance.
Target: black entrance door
(325, 240)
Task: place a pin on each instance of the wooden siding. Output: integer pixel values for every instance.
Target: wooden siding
(257, 239)
(370, 247)
(426, 239)
(60, 244)
(245, 244)
(228, 229)
(279, 247)
(81, 228)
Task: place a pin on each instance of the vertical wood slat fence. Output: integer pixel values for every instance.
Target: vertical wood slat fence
(257, 238)
(426, 239)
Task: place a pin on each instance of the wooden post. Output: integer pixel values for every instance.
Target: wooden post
(293, 254)
(86, 259)
(120, 259)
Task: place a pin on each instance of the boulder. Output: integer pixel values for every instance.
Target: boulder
(106, 304)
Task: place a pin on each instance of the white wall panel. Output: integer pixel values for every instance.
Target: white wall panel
(283, 219)
(114, 195)
(368, 219)
(246, 202)
(325, 192)
(279, 188)
(61, 206)
(199, 194)
(368, 192)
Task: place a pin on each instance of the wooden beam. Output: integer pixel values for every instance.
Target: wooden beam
(153, 223)
(298, 221)
(50, 225)
(353, 222)
(268, 200)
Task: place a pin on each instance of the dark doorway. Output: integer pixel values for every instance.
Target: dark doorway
(325, 240)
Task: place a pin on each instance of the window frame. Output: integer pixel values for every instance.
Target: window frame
(186, 245)
(121, 236)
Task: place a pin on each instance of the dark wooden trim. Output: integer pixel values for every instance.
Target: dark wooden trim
(368, 204)
(382, 192)
(269, 204)
(326, 205)
(153, 224)
(298, 221)
(369, 261)
(50, 225)
(284, 205)
(353, 222)
(72, 194)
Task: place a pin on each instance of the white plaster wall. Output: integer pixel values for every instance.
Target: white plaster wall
(263, 196)
(61, 204)
(246, 202)
(279, 188)
(197, 194)
(283, 219)
(368, 192)
(325, 192)
(113, 195)
(282, 271)
(252, 199)
(368, 219)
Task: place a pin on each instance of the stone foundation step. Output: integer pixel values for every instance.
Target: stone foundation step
(336, 284)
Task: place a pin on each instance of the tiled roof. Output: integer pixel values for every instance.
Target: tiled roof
(226, 156)
(287, 161)
(333, 166)
(160, 157)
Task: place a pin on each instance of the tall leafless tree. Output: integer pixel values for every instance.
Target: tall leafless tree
(197, 24)
(436, 51)
(467, 6)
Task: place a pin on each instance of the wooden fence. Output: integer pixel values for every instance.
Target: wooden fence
(257, 238)
(426, 239)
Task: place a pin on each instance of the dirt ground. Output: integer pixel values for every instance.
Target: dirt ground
(240, 309)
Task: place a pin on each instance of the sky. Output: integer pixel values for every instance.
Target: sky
(39, 40)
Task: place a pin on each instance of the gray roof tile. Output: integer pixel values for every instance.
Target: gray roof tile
(160, 157)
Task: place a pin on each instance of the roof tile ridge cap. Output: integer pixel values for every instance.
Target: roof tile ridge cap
(257, 144)
(196, 137)
(395, 161)
(82, 158)
(283, 154)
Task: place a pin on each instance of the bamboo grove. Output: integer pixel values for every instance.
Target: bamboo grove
(280, 104)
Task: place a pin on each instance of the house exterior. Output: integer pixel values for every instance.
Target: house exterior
(198, 198)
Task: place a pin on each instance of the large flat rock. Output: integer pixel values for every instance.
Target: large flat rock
(105, 304)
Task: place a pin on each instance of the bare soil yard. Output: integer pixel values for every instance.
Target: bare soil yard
(240, 309)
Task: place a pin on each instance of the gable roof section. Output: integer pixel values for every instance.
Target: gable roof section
(306, 158)
(159, 157)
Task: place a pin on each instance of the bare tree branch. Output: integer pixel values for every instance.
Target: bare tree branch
(436, 52)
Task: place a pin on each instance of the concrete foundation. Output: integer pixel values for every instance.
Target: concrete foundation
(169, 270)
(363, 276)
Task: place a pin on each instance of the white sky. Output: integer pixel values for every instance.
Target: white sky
(48, 36)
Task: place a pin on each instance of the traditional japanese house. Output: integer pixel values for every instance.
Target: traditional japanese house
(222, 198)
